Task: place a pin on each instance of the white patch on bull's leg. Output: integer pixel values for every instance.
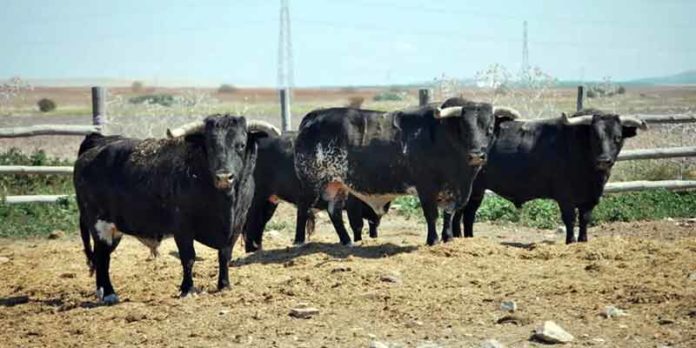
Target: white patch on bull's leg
(99, 293)
(107, 232)
(152, 244)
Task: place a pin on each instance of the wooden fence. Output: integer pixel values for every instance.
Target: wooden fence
(99, 114)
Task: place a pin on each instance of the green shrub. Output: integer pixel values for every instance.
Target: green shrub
(544, 213)
(137, 86)
(388, 96)
(226, 88)
(160, 99)
(17, 184)
(38, 219)
(46, 105)
(30, 219)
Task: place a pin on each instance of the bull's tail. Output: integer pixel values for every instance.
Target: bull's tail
(91, 140)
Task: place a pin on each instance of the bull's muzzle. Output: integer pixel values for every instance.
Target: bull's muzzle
(477, 159)
(604, 164)
(224, 181)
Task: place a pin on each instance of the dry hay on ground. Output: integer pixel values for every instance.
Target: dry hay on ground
(392, 289)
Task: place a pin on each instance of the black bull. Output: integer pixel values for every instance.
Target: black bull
(377, 156)
(565, 159)
(196, 187)
(276, 180)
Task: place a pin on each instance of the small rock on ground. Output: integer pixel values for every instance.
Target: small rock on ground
(4, 259)
(378, 344)
(692, 276)
(491, 343)
(428, 345)
(550, 332)
(303, 313)
(509, 306)
(390, 278)
(612, 312)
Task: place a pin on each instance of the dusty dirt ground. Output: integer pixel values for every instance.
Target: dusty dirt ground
(392, 289)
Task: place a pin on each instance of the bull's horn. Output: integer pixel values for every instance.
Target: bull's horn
(506, 112)
(451, 111)
(578, 120)
(629, 121)
(189, 128)
(262, 126)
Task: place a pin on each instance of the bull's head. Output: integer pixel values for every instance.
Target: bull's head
(478, 124)
(227, 142)
(606, 133)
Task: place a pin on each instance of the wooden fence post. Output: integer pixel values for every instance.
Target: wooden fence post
(578, 106)
(286, 117)
(423, 96)
(98, 106)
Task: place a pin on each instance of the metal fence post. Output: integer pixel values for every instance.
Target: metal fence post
(98, 106)
(578, 106)
(423, 96)
(285, 115)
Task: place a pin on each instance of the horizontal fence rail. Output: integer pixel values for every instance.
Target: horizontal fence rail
(679, 118)
(34, 199)
(48, 129)
(667, 152)
(46, 170)
(673, 185)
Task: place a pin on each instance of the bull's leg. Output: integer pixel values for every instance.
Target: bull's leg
(374, 225)
(336, 215)
(457, 223)
(429, 206)
(187, 255)
(469, 215)
(259, 214)
(86, 241)
(301, 222)
(584, 218)
(568, 217)
(224, 256)
(446, 226)
(355, 218)
(102, 260)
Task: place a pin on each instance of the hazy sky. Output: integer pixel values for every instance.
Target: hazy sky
(342, 42)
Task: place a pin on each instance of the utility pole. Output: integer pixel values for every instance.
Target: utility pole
(525, 52)
(285, 65)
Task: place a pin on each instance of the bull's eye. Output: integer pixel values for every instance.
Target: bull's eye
(617, 139)
(489, 131)
(240, 146)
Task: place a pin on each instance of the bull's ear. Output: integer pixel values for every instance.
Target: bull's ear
(628, 132)
(253, 138)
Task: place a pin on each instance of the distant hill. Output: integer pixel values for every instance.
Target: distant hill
(683, 78)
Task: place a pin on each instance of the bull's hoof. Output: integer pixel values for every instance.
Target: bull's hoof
(110, 299)
(190, 293)
(433, 242)
(374, 235)
(298, 244)
(348, 244)
(570, 240)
